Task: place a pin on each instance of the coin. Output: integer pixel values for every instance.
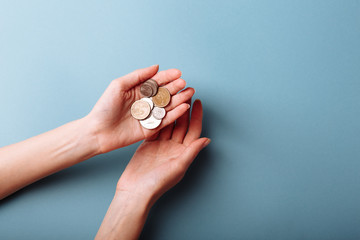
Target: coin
(162, 98)
(150, 117)
(146, 90)
(152, 81)
(149, 101)
(140, 109)
(158, 113)
(150, 122)
(154, 86)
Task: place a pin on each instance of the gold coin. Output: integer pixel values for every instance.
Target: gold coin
(162, 98)
(140, 109)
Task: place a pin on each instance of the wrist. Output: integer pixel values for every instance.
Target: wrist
(89, 135)
(125, 217)
(143, 200)
(134, 203)
(147, 195)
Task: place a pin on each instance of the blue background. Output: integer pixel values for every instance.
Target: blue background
(280, 84)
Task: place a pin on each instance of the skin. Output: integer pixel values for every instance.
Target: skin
(158, 164)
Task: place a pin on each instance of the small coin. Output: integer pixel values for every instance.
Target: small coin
(158, 113)
(154, 86)
(140, 109)
(146, 90)
(149, 101)
(152, 81)
(162, 98)
(150, 122)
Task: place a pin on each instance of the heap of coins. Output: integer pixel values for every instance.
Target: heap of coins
(150, 110)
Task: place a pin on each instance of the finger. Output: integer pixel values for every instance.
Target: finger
(181, 126)
(166, 76)
(174, 114)
(136, 77)
(180, 98)
(175, 86)
(165, 133)
(195, 123)
(170, 117)
(193, 150)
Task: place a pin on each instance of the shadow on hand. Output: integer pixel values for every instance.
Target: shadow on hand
(175, 196)
(112, 164)
(197, 172)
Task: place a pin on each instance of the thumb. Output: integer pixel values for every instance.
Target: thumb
(193, 150)
(138, 76)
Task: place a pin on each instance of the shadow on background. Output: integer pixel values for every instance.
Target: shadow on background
(115, 162)
(173, 197)
(199, 169)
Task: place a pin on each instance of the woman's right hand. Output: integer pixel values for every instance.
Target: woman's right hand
(161, 162)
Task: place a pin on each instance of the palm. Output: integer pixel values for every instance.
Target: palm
(159, 163)
(159, 151)
(111, 114)
(119, 128)
(155, 162)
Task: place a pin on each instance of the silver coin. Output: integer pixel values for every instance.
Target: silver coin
(150, 122)
(149, 101)
(158, 112)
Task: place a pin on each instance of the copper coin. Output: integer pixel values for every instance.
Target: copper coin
(154, 86)
(162, 98)
(140, 109)
(146, 90)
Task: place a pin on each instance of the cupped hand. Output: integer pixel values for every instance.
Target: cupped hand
(110, 119)
(162, 160)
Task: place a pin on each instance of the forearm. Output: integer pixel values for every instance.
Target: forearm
(30, 160)
(125, 217)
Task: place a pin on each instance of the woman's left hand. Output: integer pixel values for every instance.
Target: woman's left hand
(110, 119)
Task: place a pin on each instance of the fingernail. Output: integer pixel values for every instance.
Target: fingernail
(155, 65)
(188, 106)
(206, 142)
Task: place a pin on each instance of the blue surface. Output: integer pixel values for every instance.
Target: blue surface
(280, 83)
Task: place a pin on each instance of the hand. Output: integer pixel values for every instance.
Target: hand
(110, 118)
(161, 161)
(157, 165)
